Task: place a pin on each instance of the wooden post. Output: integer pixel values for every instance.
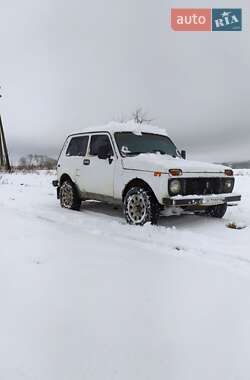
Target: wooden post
(1, 151)
(4, 156)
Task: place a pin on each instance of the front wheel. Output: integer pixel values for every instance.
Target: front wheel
(68, 196)
(216, 211)
(140, 207)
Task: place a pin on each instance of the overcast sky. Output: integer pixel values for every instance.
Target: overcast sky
(69, 64)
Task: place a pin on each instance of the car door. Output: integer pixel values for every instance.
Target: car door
(99, 166)
(75, 151)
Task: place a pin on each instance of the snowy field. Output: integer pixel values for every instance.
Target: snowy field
(86, 297)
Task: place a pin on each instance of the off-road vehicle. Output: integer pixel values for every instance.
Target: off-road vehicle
(141, 168)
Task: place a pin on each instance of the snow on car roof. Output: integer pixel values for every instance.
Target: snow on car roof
(129, 126)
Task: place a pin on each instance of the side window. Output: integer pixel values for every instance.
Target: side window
(78, 146)
(99, 143)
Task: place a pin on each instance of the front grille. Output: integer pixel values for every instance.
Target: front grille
(202, 186)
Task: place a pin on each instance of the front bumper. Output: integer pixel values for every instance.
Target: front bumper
(202, 200)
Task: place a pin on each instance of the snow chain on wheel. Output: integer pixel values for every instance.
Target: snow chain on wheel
(140, 206)
(68, 196)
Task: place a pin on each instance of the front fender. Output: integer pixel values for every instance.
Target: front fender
(159, 185)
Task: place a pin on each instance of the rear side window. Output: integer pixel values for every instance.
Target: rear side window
(78, 146)
(98, 142)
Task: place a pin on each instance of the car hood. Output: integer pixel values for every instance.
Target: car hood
(158, 162)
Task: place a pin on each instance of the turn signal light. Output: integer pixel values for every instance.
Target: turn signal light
(175, 172)
(157, 174)
(229, 172)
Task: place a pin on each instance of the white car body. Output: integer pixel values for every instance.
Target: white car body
(108, 179)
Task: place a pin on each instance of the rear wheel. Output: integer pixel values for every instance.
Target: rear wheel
(140, 206)
(68, 196)
(216, 211)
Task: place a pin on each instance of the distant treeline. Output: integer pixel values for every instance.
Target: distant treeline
(238, 165)
(36, 162)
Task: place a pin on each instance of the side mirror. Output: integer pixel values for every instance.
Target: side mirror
(184, 154)
(104, 152)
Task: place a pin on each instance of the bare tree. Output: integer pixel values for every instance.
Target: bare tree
(140, 117)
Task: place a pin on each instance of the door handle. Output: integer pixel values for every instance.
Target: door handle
(86, 162)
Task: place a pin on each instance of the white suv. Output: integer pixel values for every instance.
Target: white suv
(139, 167)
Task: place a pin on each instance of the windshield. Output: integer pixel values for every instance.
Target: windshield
(130, 144)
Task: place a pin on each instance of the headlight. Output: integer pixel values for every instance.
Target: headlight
(228, 185)
(175, 187)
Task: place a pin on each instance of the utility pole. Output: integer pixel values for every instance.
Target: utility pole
(4, 155)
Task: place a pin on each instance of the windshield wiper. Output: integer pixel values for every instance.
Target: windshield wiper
(133, 153)
(158, 151)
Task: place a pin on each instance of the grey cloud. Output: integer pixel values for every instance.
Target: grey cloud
(67, 64)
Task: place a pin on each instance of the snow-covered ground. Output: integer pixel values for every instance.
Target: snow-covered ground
(85, 296)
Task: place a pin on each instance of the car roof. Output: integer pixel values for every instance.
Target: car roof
(130, 126)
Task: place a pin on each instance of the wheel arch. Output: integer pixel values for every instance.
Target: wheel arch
(135, 182)
(64, 177)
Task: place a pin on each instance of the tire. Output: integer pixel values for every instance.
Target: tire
(140, 206)
(216, 211)
(69, 197)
